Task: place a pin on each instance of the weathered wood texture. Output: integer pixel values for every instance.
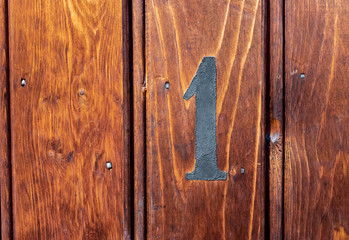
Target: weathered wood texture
(138, 118)
(275, 121)
(178, 35)
(317, 120)
(5, 153)
(69, 119)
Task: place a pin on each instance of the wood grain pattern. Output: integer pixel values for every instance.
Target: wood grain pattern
(69, 119)
(275, 99)
(139, 89)
(5, 138)
(317, 120)
(178, 35)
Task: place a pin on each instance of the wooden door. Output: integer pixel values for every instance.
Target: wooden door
(109, 109)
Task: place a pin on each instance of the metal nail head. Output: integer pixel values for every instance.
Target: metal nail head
(23, 82)
(109, 165)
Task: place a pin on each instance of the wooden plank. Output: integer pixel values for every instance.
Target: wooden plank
(317, 120)
(5, 138)
(138, 118)
(69, 119)
(275, 99)
(178, 35)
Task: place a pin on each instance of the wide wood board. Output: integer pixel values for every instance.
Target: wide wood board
(70, 119)
(178, 35)
(317, 120)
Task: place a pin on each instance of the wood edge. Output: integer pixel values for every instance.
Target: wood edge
(5, 126)
(275, 118)
(139, 119)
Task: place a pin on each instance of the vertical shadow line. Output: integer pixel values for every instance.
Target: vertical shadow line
(283, 113)
(267, 116)
(128, 116)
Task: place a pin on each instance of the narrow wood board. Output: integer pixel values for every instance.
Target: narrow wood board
(70, 119)
(5, 138)
(178, 35)
(275, 121)
(317, 120)
(138, 118)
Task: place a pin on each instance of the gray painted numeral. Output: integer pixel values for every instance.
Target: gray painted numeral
(204, 86)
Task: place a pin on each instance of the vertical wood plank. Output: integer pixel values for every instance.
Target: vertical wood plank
(5, 138)
(317, 120)
(178, 35)
(69, 119)
(139, 89)
(275, 99)
(127, 116)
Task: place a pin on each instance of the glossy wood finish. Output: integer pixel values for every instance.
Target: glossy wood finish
(69, 119)
(5, 138)
(95, 89)
(317, 120)
(178, 35)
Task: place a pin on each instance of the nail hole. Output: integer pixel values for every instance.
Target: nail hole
(109, 165)
(23, 82)
(302, 75)
(167, 85)
(242, 170)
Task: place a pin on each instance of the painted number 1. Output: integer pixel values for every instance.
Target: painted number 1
(204, 86)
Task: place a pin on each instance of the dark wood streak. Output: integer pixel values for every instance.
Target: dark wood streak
(317, 120)
(127, 119)
(5, 138)
(178, 35)
(61, 138)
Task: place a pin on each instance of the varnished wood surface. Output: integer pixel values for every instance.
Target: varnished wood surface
(275, 121)
(5, 138)
(317, 120)
(139, 90)
(75, 114)
(69, 119)
(178, 35)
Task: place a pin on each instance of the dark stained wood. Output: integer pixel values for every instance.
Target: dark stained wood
(317, 120)
(275, 121)
(127, 111)
(138, 118)
(5, 138)
(178, 35)
(69, 119)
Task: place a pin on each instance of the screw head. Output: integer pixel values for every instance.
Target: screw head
(167, 85)
(82, 92)
(109, 165)
(242, 170)
(23, 82)
(302, 75)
